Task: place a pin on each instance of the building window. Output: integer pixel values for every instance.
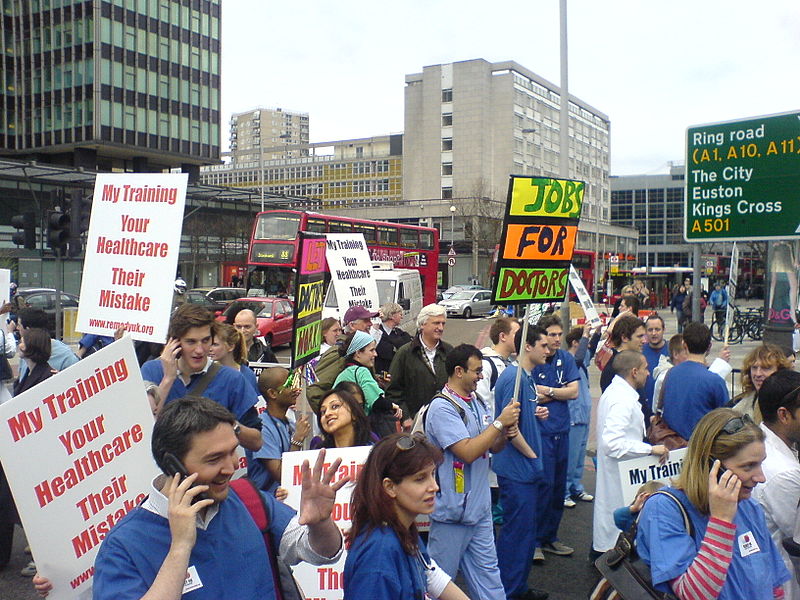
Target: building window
(447, 168)
(447, 95)
(447, 119)
(447, 144)
(447, 192)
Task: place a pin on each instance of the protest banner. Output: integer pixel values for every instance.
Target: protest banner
(540, 231)
(310, 296)
(635, 472)
(584, 298)
(76, 452)
(132, 254)
(733, 283)
(324, 582)
(351, 271)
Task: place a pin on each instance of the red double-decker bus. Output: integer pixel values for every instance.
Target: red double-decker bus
(273, 248)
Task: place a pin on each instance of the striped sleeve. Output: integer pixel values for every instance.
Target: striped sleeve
(777, 593)
(704, 578)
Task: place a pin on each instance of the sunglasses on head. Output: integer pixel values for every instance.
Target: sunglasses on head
(736, 424)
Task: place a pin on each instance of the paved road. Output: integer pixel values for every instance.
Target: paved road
(567, 578)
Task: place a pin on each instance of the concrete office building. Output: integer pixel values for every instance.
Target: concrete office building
(268, 134)
(323, 176)
(470, 124)
(108, 86)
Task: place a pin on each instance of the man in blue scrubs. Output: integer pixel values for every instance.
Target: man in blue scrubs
(557, 382)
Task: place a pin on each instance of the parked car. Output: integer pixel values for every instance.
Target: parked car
(45, 298)
(453, 289)
(468, 302)
(275, 317)
(215, 299)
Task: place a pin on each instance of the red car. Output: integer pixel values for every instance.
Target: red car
(275, 317)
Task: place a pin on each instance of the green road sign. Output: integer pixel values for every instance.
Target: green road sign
(743, 179)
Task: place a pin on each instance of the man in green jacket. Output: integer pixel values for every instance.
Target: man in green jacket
(418, 370)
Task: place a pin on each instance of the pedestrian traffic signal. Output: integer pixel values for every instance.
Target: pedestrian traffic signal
(57, 230)
(26, 223)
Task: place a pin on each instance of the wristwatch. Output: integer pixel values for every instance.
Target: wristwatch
(497, 425)
(237, 428)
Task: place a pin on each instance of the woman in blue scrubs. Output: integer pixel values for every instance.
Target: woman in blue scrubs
(386, 558)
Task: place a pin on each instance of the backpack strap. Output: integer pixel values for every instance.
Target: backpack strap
(254, 502)
(495, 372)
(461, 412)
(687, 522)
(198, 386)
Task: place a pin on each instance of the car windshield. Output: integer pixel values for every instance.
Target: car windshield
(462, 296)
(195, 297)
(262, 309)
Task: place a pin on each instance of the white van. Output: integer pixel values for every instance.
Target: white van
(402, 286)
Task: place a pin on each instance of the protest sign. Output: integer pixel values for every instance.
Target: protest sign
(733, 283)
(309, 298)
(540, 231)
(324, 581)
(584, 298)
(635, 472)
(76, 452)
(351, 271)
(5, 295)
(132, 254)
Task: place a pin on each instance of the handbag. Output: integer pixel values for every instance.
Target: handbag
(659, 431)
(625, 576)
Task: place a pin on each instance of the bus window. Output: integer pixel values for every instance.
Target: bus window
(367, 230)
(387, 235)
(339, 227)
(276, 226)
(425, 240)
(315, 225)
(408, 238)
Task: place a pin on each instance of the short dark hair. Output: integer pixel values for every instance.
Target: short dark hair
(535, 333)
(33, 317)
(625, 326)
(653, 317)
(697, 337)
(632, 302)
(37, 345)
(675, 345)
(180, 420)
(774, 391)
(575, 334)
(459, 357)
(500, 325)
(548, 321)
(188, 316)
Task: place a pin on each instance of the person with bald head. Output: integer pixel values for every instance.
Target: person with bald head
(620, 431)
(244, 319)
(277, 433)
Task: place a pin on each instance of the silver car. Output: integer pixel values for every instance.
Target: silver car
(468, 302)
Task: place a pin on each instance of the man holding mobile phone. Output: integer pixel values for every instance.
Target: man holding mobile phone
(172, 545)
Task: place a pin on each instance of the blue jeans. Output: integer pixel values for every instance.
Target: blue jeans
(578, 436)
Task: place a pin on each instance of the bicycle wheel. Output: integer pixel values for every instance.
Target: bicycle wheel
(756, 329)
(736, 334)
(717, 330)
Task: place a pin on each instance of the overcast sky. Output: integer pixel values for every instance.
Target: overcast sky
(653, 67)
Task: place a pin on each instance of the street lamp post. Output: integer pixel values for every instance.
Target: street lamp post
(452, 242)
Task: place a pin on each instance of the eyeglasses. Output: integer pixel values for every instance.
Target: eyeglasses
(478, 371)
(736, 424)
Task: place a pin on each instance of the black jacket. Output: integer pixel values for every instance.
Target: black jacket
(414, 383)
(387, 346)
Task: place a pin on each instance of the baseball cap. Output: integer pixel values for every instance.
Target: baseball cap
(354, 313)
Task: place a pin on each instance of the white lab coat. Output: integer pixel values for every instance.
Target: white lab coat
(779, 496)
(620, 430)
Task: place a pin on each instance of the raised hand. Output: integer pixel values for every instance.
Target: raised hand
(318, 494)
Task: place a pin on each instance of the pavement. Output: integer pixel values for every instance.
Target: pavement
(566, 578)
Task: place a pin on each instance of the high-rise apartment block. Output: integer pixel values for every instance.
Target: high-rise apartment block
(470, 124)
(111, 85)
(268, 134)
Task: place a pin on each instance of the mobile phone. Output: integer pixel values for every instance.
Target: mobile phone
(173, 466)
(721, 471)
(385, 374)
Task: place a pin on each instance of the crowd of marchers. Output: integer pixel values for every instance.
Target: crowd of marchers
(489, 443)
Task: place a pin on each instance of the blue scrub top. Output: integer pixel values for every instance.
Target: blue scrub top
(276, 436)
(559, 370)
(690, 392)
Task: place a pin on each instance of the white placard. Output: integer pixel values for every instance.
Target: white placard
(5, 294)
(584, 298)
(132, 254)
(76, 452)
(733, 281)
(635, 472)
(351, 271)
(324, 581)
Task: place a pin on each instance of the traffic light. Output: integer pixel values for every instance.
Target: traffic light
(57, 230)
(80, 212)
(26, 222)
